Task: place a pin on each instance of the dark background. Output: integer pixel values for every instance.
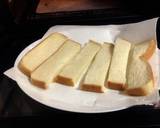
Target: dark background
(20, 26)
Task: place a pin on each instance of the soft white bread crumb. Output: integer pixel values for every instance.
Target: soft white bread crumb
(47, 71)
(118, 67)
(140, 80)
(72, 72)
(97, 72)
(41, 52)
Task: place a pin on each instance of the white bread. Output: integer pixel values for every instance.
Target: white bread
(73, 72)
(47, 71)
(140, 80)
(41, 52)
(97, 72)
(144, 49)
(118, 67)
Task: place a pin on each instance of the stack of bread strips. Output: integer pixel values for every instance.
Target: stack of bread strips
(73, 72)
(117, 72)
(140, 80)
(120, 66)
(41, 52)
(96, 76)
(47, 72)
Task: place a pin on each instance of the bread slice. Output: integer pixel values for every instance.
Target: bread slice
(41, 52)
(117, 72)
(140, 80)
(47, 71)
(72, 72)
(97, 73)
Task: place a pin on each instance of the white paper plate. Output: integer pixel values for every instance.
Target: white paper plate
(71, 99)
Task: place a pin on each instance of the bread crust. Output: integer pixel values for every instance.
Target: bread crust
(116, 86)
(150, 50)
(64, 80)
(39, 84)
(92, 88)
(143, 90)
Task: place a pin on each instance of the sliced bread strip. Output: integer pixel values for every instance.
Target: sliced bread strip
(95, 78)
(41, 52)
(140, 80)
(47, 71)
(117, 72)
(73, 72)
